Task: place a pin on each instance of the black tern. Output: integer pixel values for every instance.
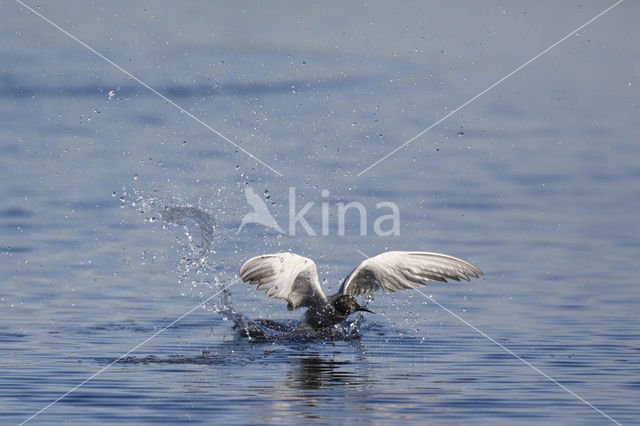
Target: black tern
(294, 278)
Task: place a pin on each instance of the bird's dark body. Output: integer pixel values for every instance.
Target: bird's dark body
(337, 309)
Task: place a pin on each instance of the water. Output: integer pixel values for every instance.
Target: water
(536, 182)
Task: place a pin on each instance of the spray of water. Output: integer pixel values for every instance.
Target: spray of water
(198, 274)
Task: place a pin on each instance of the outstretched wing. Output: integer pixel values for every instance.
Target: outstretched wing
(286, 276)
(400, 270)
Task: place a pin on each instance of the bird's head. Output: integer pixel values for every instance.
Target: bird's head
(347, 305)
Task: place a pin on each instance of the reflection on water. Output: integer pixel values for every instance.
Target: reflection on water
(313, 372)
(311, 380)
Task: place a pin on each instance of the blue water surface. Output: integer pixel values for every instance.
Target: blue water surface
(537, 182)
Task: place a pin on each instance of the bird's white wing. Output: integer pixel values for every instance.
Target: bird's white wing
(400, 270)
(285, 276)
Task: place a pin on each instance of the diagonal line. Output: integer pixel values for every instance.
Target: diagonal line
(136, 347)
(145, 85)
(490, 87)
(362, 254)
(510, 352)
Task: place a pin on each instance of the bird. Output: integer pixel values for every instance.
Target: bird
(294, 278)
(260, 214)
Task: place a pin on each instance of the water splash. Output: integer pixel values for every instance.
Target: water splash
(204, 221)
(197, 269)
(264, 330)
(242, 324)
(198, 274)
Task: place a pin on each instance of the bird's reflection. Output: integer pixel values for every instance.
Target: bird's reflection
(314, 372)
(317, 373)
